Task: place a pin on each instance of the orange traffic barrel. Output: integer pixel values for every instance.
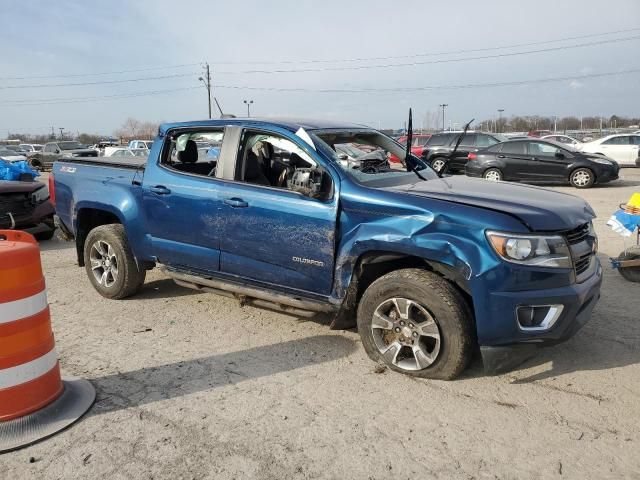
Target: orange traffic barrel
(35, 402)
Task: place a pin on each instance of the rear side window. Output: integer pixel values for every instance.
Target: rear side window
(495, 148)
(469, 140)
(618, 141)
(635, 140)
(485, 141)
(516, 148)
(439, 140)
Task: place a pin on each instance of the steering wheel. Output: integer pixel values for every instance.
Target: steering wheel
(282, 178)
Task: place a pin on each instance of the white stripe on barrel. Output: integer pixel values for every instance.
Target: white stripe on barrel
(23, 308)
(29, 371)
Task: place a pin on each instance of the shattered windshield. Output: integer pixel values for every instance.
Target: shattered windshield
(381, 160)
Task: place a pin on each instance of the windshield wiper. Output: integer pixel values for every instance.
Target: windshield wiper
(408, 154)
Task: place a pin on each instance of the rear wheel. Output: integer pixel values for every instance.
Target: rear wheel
(631, 274)
(110, 265)
(582, 178)
(493, 175)
(416, 323)
(438, 164)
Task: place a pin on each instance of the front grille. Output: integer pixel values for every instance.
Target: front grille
(581, 242)
(16, 203)
(582, 263)
(577, 235)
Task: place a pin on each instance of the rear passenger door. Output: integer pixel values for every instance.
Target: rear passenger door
(467, 145)
(518, 164)
(270, 233)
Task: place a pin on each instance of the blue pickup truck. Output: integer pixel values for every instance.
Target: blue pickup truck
(428, 268)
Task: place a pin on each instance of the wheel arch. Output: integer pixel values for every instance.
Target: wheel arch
(88, 218)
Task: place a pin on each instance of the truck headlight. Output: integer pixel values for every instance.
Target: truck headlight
(40, 195)
(533, 250)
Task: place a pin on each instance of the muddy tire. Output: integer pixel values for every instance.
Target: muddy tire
(632, 274)
(110, 265)
(416, 323)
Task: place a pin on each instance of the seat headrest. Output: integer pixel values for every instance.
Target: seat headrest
(190, 152)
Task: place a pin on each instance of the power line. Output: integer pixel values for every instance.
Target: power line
(101, 82)
(429, 62)
(429, 54)
(118, 72)
(66, 100)
(434, 87)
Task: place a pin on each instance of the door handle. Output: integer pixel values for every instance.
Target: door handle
(160, 190)
(501, 156)
(236, 202)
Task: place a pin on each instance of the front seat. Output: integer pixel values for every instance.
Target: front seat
(190, 152)
(253, 170)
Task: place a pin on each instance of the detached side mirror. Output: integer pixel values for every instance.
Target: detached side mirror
(343, 156)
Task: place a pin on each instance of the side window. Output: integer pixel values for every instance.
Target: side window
(543, 149)
(617, 141)
(194, 152)
(496, 148)
(635, 140)
(485, 140)
(274, 161)
(439, 140)
(50, 148)
(514, 148)
(469, 140)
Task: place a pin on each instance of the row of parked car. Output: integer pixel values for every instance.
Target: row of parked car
(551, 158)
(41, 157)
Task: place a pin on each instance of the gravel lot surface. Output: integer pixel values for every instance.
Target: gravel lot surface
(190, 385)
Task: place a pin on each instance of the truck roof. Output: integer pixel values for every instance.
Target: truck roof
(292, 124)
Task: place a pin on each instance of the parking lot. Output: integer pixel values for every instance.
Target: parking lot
(191, 385)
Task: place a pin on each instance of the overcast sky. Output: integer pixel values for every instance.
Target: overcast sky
(65, 38)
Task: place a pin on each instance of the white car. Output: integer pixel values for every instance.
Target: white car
(140, 144)
(623, 148)
(31, 147)
(566, 139)
(10, 155)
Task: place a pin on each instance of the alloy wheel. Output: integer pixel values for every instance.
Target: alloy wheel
(438, 165)
(104, 263)
(406, 334)
(581, 178)
(493, 176)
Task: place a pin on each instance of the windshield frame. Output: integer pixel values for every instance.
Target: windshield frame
(375, 180)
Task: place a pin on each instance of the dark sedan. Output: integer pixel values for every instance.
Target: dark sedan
(538, 160)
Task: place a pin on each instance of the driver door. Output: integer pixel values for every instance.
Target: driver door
(270, 233)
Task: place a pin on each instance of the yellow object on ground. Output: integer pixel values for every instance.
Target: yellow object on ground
(635, 200)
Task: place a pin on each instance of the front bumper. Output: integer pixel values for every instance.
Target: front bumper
(40, 219)
(504, 344)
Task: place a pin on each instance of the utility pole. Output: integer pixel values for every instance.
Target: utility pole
(53, 133)
(500, 110)
(443, 106)
(248, 103)
(555, 124)
(61, 134)
(207, 83)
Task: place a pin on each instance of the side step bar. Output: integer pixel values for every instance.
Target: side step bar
(259, 297)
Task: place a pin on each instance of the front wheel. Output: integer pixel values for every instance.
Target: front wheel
(110, 265)
(416, 323)
(582, 178)
(493, 175)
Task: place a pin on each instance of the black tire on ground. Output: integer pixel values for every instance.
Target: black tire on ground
(582, 178)
(631, 274)
(129, 278)
(493, 174)
(444, 304)
(35, 164)
(46, 235)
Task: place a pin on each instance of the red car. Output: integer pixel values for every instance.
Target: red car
(417, 145)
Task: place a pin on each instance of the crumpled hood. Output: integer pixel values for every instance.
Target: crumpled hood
(538, 208)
